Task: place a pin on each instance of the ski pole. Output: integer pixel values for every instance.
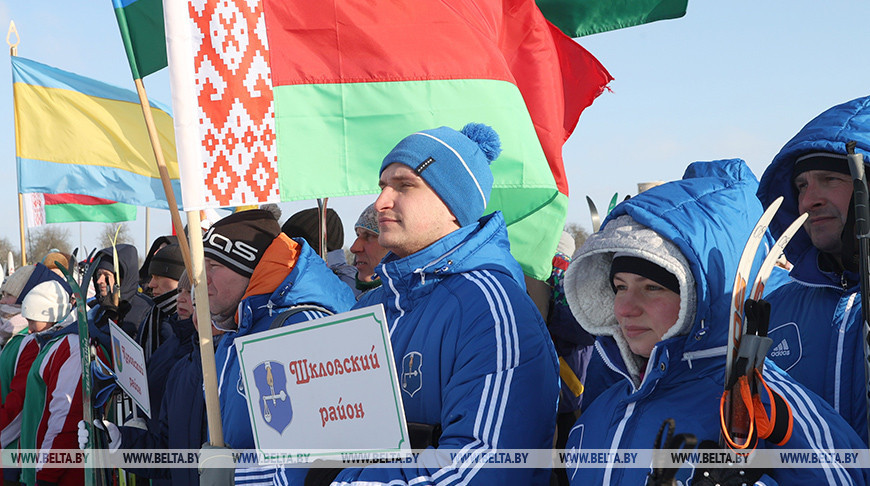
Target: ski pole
(862, 228)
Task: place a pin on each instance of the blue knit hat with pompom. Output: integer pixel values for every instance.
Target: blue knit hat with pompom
(455, 164)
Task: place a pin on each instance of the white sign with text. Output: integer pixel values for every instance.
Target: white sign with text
(129, 367)
(328, 384)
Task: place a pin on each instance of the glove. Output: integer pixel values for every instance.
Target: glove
(321, 476)
(83, 435)
(727, 475)
(114, 313)
(105, 425)
(216, 466)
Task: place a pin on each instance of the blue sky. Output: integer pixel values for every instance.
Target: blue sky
(730, 79)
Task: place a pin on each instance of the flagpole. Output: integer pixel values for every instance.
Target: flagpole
(13, 51)
(164, 174)
(147, 228)
(321, 213)
(203, 316)
(21, 228)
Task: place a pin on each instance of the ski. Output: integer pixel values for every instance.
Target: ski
(741, 427)
(775, 253)
(91, 476)
(736, 324)
(593, 211)
(738, 293)
(613, 202)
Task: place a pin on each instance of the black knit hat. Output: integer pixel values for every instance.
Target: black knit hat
(239, 240)
(821, 161)
(167, 262)
(644, 268)
(306, 224)
(145, 269)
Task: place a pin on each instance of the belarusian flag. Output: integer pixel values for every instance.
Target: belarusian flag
(66, 208)
(141, 26)
(578, 18)
(309, 106)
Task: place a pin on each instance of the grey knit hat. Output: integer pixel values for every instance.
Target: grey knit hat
(368, 220)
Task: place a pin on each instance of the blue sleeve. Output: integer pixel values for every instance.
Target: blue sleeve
(816, 427)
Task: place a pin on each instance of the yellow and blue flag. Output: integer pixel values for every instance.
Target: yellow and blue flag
(82, 136)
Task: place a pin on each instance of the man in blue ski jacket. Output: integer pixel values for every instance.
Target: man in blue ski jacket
(816, 319)
(476, 366)
(254, 273)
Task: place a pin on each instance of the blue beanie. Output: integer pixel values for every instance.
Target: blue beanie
(454, 164)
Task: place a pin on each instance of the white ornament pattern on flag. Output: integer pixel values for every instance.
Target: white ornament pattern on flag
(34, 205)
(234, 91)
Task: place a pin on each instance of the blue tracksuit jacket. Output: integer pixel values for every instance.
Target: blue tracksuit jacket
(473, 355)
(816, 319)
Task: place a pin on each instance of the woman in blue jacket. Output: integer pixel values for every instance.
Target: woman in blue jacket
(655, 285)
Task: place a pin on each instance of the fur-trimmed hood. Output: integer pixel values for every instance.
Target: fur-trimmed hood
(828, 132)
(700, 223)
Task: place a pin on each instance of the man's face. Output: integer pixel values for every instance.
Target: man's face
(367, 253)
(826, 196)
(8, 299)
(105, 282)
(410, 215)
(159, 285)
(225, 288)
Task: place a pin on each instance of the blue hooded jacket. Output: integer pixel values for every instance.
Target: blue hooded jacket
(310, 282)
(705, 219)
(473, 355)
(816, 319)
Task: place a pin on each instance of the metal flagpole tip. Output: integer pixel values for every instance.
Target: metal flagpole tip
(13, 46)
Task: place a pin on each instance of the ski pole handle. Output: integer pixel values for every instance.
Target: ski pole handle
(862, 220)
(859, 182)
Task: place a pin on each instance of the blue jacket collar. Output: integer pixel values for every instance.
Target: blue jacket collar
(310, 282)
(482, 245)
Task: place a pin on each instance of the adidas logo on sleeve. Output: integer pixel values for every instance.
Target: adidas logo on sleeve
(780, 349)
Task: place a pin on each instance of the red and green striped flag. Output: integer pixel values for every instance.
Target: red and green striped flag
(310, 109)
(578, 18)
(141, 25)
(68, 208)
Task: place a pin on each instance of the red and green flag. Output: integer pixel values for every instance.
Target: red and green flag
(141, 25)
(578, 18)
(68, 208)
(310, 109)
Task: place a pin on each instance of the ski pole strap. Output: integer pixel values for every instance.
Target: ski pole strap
(741, 434)
(282, 317)
(777, 427)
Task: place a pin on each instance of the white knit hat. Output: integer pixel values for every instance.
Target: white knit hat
(47, 302)
(566, 244)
